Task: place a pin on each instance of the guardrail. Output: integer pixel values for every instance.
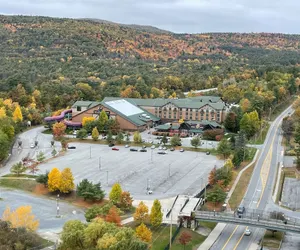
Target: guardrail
(254, 219)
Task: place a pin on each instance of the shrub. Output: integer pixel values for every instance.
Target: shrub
(211, 134)
(219, 137)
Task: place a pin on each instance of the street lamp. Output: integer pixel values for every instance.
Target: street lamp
(148, 188)
(57, 206)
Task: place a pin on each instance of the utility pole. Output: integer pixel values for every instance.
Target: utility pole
(57, 206)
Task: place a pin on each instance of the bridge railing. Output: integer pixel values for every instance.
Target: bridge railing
(253, 217)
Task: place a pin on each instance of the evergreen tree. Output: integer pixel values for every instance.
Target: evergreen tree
(156, 215)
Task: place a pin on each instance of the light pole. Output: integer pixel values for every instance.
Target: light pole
(99, 163)
(107, 177)
(57, 206)
(169, 170)
(148, 188)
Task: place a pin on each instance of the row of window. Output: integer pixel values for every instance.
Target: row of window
(180, 109)
(186, 117)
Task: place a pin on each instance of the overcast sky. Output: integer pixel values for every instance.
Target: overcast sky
(181, 16)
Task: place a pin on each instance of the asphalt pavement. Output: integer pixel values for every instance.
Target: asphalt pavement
(259, 192)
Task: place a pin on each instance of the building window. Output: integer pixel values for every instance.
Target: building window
(78, 108)
(170, 116)
(180, 109)
(165, 116)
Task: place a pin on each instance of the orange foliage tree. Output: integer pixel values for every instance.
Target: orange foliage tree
(144, 233)
(212, 176)
(59, 129)
(21, 217)
(141, 213)
(113, 216)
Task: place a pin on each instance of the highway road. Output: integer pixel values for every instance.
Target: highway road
(259, 192)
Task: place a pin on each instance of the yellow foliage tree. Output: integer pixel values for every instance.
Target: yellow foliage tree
(95, 134)
(8, 102)
(67, 181)
(17, 115)
(141, 213)
(54, 180)
(181, 121)
(2, 112)
(143, 233)
(86, 120)
(21, 217)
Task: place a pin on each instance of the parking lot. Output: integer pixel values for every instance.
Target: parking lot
(166, 175)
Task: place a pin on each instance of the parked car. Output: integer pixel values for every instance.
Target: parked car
(75, 132)
(144, 147)
(162, 152)
(152, 147)
(240, 211)
(143, 150)
(172, 149)
(158, 137)
(32, 145)
(111, 144)
(151, 142)
(247, 232)
(127, 146)
(104, 137)
(207, 153)
(164, 148)
(149, 192)
(160, 148)
(115, 149)
(133, 150)
(71, 147)
(181, 150)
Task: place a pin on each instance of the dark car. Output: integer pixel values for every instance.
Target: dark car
(207, 153)
(144, 147)
(161, 152)
(133, 150)
(143, 150)
(172, 149)
(111, 144)
(71, 147)
(241, 209)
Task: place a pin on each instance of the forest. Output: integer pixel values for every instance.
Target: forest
(64, 60)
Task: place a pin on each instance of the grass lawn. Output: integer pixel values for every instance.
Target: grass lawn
(25, 185)
(286, 172)
(196, 240)
(20, 176)
(240, 188)
(271, 241)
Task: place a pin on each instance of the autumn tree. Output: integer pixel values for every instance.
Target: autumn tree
(72, 236)
(231, 123)
(86, 120)
(54, 180)
(141, 213)
(115, 193)
(17, 115)
(287, 128)
(250, 123)
(119, 138)
(184, 238)
(217, 194)
(18, 168)
(59, 129)
(95, 134)
(212, 176)
(137, 138)
(125, 201)
(144, 233)
(66, 181)
(297, 141)
(113, 216)
(21, 217)
(156, 214)
(103, 118)
(195, 142)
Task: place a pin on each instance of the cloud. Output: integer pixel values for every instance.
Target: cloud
(182, 16)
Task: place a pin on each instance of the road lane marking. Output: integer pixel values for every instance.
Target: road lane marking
(230, 237)
(237, 244)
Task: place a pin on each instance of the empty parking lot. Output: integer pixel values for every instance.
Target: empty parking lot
(166, 175)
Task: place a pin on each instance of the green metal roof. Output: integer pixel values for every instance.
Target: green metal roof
(163, 127)
(194, 130)
(87, 104)
(195, 103)
(205, 122)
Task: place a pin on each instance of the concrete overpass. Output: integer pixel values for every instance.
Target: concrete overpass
(251, 219)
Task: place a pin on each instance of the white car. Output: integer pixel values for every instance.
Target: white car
(181, 150)
(164, 148)
(160, 148)
(247, 232)
(75, 132)
(32, 145)
(152, 147)
(150, 192)
(126, 146)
